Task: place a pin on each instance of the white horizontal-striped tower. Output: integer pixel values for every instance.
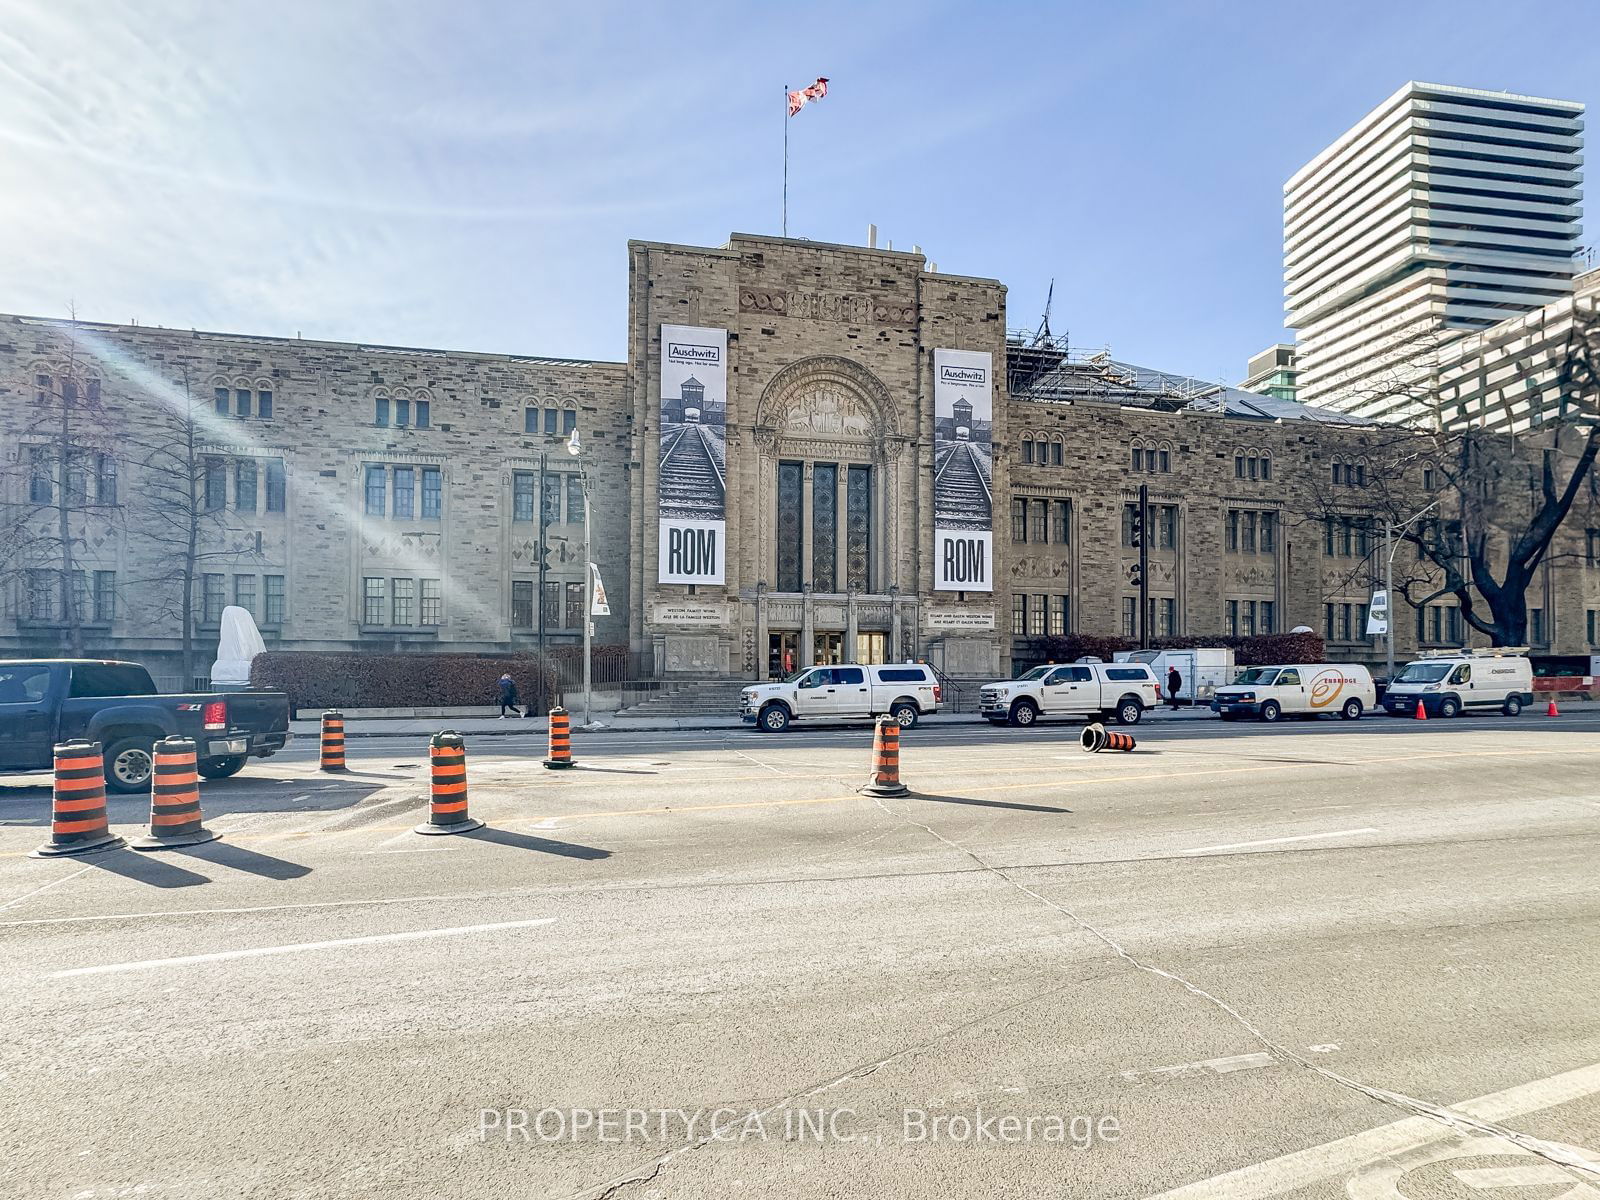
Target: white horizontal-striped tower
(1443, 211)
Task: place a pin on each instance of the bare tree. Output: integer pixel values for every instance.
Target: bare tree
(183, 515)
(65, 473)
(1501, 498)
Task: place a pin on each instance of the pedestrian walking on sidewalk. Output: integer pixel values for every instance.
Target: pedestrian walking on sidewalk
(1174, 682)
(508, 696)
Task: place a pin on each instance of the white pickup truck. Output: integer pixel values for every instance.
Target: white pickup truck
(1115, 691)
(851, 692)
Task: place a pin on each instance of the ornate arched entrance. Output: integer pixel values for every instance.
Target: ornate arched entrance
(830, 455)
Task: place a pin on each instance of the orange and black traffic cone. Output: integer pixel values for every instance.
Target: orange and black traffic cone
(333, 741)
(78, 820)
(175, 798)
(1422, 712)
(1117, 740)
(886, 760)
(560, 740)
(447, 799)
(1552, 711)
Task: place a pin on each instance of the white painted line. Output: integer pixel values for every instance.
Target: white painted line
(1304, 1168)
(297, 947)
(1217, 1066)
(45, 888)
(422, 850)
(1304, 837)
(259, 908)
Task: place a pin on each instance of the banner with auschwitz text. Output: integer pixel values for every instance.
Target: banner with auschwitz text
(963, 471)
(692, 481)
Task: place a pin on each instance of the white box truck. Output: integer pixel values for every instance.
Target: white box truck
(1203, 670)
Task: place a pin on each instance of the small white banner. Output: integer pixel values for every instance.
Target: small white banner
(598, 607)
(1378, 613)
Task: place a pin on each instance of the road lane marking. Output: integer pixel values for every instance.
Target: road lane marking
(1304, 1168)
(46, 887)
(295, 948)
(1304, 837)
(1217, 1066)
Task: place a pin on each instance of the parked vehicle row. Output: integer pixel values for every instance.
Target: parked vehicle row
(1446, 684)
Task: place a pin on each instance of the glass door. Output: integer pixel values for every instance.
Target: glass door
(829, 648)
(871, 648)
(783, 654)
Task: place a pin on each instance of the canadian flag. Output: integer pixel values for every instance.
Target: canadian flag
(797, 100)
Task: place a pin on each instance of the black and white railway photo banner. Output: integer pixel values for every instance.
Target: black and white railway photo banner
(692, 482)
(963, 471)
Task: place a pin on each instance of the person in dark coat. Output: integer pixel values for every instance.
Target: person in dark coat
(1174, 682)
(508, 696)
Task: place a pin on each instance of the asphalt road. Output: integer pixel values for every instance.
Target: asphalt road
(1331, 960)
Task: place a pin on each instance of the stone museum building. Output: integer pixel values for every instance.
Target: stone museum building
(758, 478)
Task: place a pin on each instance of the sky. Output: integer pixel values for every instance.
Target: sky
(466, 175)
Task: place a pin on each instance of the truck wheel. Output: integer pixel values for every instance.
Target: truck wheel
(1024, 713)
(905, 714)
(1129, 710)
(1512, 706)
(221, 768)
(129, 763)
(1351, 710)
(774, 718)
(1270, 711)
(1449, 707)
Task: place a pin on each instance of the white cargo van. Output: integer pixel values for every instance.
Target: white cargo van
(1299, 690)
(850, 692)
(1452, 682)
(1115, 691)
(1202, 670)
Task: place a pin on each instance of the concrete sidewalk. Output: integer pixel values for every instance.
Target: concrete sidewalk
(470, 721)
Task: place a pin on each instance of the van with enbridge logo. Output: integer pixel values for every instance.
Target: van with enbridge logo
(1297, 690)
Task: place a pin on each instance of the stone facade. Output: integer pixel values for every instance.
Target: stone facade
(378, 497)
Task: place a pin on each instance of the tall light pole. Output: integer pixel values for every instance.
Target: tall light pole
(575, 448)
(1389, 547)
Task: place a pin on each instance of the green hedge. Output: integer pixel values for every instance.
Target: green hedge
(315, 679)
(1262, 649)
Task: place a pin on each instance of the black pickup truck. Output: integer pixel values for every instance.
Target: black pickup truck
(45, 701)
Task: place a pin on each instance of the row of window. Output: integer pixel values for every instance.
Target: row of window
(392, 491)
(1039, 615)
(91, 595)
(403, 603)
(402, 412)
(1042, 522)
(265, 604)
(254, 480)
(1164, 523)
(1154, 460)
(562, 607)
(1163, 616)
(564, 418)
(1248, 617)
(46, 388)
(91, 476)
(1344, 622)
(526, 495)
(242, 402)
(1044, 452)
(1351, 474)
(1252, 532)
(1252, 466)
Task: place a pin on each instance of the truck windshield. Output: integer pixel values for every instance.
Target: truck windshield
(1261, 675)
(1038, 672)
(1424, 672)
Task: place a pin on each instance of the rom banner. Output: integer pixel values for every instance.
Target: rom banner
(692, 482)
(963, 471)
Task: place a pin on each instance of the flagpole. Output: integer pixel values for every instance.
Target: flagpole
(786, 160)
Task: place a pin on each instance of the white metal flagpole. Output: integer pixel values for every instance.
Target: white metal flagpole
(786, 160)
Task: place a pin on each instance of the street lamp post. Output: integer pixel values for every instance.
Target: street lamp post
(575, 448)
(1389, 547)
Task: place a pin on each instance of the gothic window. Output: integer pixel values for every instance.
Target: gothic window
(824, 527)
(790, 503)
(858, 535)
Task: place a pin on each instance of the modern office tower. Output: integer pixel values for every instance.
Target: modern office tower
(1443, 211)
